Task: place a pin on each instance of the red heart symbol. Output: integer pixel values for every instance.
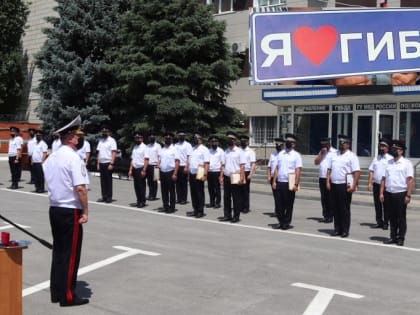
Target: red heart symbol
(315, 45)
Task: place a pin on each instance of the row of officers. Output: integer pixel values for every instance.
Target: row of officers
(175, 164)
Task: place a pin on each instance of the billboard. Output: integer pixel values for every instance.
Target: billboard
(321, 45)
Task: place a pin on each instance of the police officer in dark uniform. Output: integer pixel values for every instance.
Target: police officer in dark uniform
(66, 176)
(396, 189)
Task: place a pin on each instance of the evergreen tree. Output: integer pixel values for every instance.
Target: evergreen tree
(70, 62)
(13, 16)
(174, 68)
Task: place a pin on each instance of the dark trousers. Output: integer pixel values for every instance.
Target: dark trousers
(31, 169)
(213, 185)
(15, 170)
(38, 176)
(285, 200)
(67, 235)
(397, 213)
(231, 193)
(106, 181)
(139, 185)
(381, 213)
(341, 201)
(152, 184)
(197, 194)
(182, 185)
(167, 187)
(245, 193)
(274, 194)
(327, 211)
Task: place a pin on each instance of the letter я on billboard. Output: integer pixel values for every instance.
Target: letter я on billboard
(329, 44)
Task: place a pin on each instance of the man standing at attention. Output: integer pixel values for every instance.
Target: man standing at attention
(215, 168)
(153, 149)
(66, 174)
(396, 189)
(250, 166)
(184, 150)
(322, 159)
(286, 181)
(233, 177)
(138, 167)
(15, 156)
(272, 165)
(198, 165)
(169, 164)
(342, 179)
(107, 152)
(39, 154)
(376, 172)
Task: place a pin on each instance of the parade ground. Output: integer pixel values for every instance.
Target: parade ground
(141, 261)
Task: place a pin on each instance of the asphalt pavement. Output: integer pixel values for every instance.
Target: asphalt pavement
(140, 261)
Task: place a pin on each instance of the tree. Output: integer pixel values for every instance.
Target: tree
(174, 69)
(13, 16)
(71, 60)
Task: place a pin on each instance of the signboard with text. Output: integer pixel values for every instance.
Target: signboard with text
(329, 44)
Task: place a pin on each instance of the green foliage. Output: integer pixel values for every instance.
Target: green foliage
(173, 70)
(13, 15)
(71, 60)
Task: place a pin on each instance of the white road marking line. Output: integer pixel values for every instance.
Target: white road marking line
(100, 264)
(8, 226)
(238, 225)
(324, 296)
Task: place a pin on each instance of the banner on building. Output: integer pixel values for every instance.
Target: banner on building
(316, 45)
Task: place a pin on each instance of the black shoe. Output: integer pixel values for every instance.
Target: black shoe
(278, 226)
(209, 205)
(385, 227)
(217, 206)
(75, 302)
(161, 209)
(328, 220)
(400, 242)
(235, 220)
(191, 214)
(100, 200)
(31, 183)
(141, 205)
(183, 202)
(171, 210)
(378, 226)
(336, 233)
(245, 210)
(390, 241)
(108, 200)
(224, 219)
(13, 187)
(199, 215)
(40, 191)
(345, 234)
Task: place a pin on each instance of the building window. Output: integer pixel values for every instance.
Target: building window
(410, 3)
(222, 6)
(266, 3)
(263, 129)
(356, 3)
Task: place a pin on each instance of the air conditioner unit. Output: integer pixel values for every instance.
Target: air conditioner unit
(238, 47)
